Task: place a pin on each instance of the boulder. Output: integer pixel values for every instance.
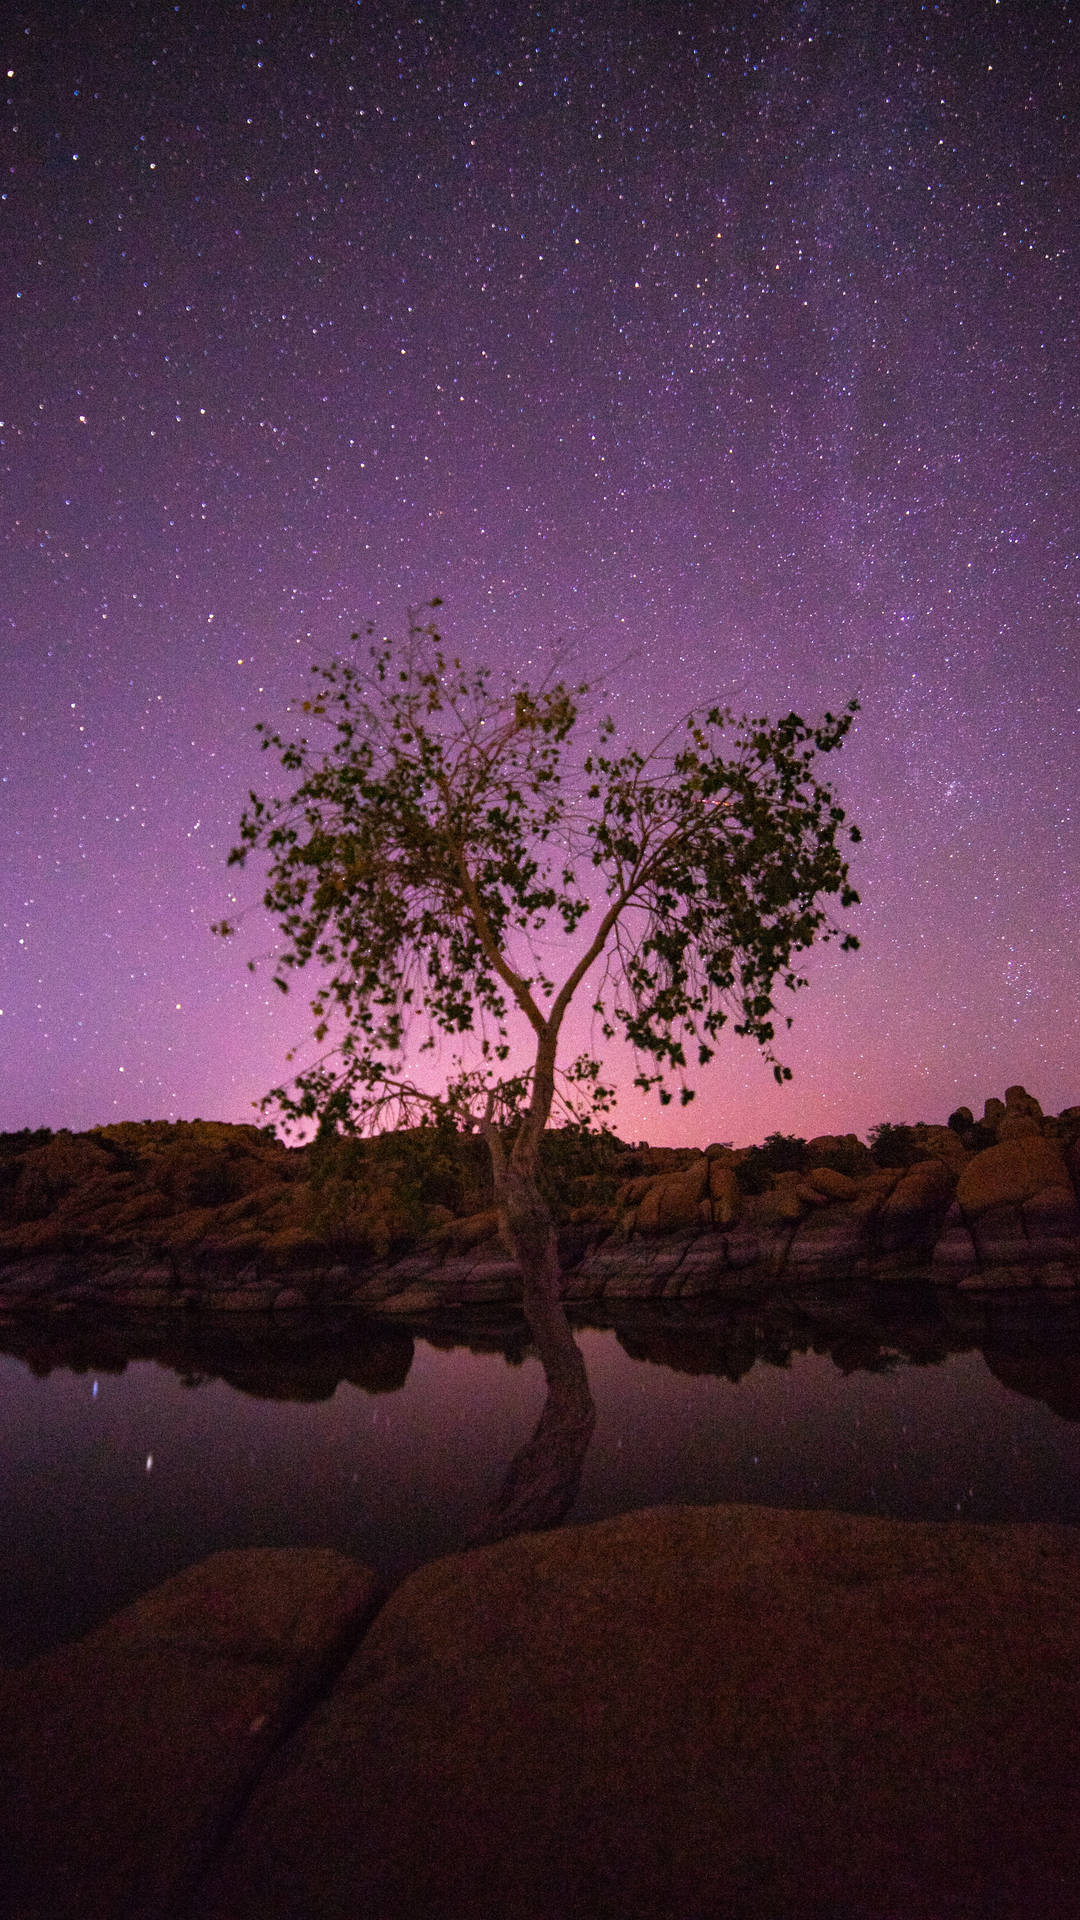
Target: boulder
(1010, 1173)
(1020, 1126)
(843, 1150)
(703, 1269)
(131, 1751)
(693, 1712)
(954, 1259)
(724, 1192)
(831, 1244)
(475, 1230)
(1018, 1101)
(911, 1217)
(833, 1185)
(1000, 1240)
(672, 1200)
(782, 1205)
(810, 1196)
(1052, 1225)
(639, 1271)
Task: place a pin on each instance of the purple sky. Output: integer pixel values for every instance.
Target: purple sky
(734, 347)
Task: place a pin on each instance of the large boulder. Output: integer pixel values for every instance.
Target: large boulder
(1052, 1225)
(1011, 1172)
(954, 1259)
(829, 1244)
(693, 1712)
(845, 1151)
(127, 1755)
(1020, 1126)
(674, 1199)
(830, 1184)
(911, 1216)
(724, 1193)
(1019, 1101)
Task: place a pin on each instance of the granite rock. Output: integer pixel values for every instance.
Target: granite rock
(692, 1712)
(127, 1754)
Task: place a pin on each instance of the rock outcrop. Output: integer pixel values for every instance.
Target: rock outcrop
(127, 1755)
(689, 1711)
(204, 1215)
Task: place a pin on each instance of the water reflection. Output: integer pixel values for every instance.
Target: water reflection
(541, 1484)
(136, 1446)
(283, 1357)
(1029, 1342)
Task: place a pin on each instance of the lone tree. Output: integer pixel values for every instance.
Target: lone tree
(459, 869)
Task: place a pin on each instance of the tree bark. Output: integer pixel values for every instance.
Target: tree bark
(542, 1481)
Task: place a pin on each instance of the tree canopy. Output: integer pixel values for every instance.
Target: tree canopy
(458, 858)
(457, 863)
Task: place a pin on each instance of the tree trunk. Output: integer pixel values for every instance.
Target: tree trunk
(543, 1478)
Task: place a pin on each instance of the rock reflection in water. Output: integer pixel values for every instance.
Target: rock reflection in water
(303, 1357)
(1054, 1379)
(1032, 1346)
(818, 1397)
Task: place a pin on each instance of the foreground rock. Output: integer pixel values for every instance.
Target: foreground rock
(126, 1755)
(207, 1216)
(725, 1711)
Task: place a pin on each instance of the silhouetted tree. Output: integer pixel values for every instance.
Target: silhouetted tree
(448, 836)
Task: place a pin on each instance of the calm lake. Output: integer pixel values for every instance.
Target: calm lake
(131, 1449)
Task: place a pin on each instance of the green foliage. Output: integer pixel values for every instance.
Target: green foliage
(23, 1141)
(428, 1166)
(895, 1146)
(447, 837)
(378, 1195)
(778, 1153)
(386, 1190)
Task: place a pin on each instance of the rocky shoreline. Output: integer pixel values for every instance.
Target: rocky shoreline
(201, 1215)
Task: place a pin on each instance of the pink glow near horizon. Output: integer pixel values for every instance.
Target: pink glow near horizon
(733, 350)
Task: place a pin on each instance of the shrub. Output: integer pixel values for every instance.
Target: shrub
(778, 1153)
(13, 1144)
(893, 1145)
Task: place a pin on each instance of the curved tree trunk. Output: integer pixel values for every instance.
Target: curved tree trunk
(542, 1481)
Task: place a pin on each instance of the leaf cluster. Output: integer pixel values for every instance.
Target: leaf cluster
(778, 1153)
(895, 1145)
(453, 865)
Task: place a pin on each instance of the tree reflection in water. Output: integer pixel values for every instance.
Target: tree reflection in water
(966, 1417)
(1032, 1347)
(542, 1481)
(1031, 1344)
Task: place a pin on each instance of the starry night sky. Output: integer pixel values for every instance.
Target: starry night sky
(734, 348)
